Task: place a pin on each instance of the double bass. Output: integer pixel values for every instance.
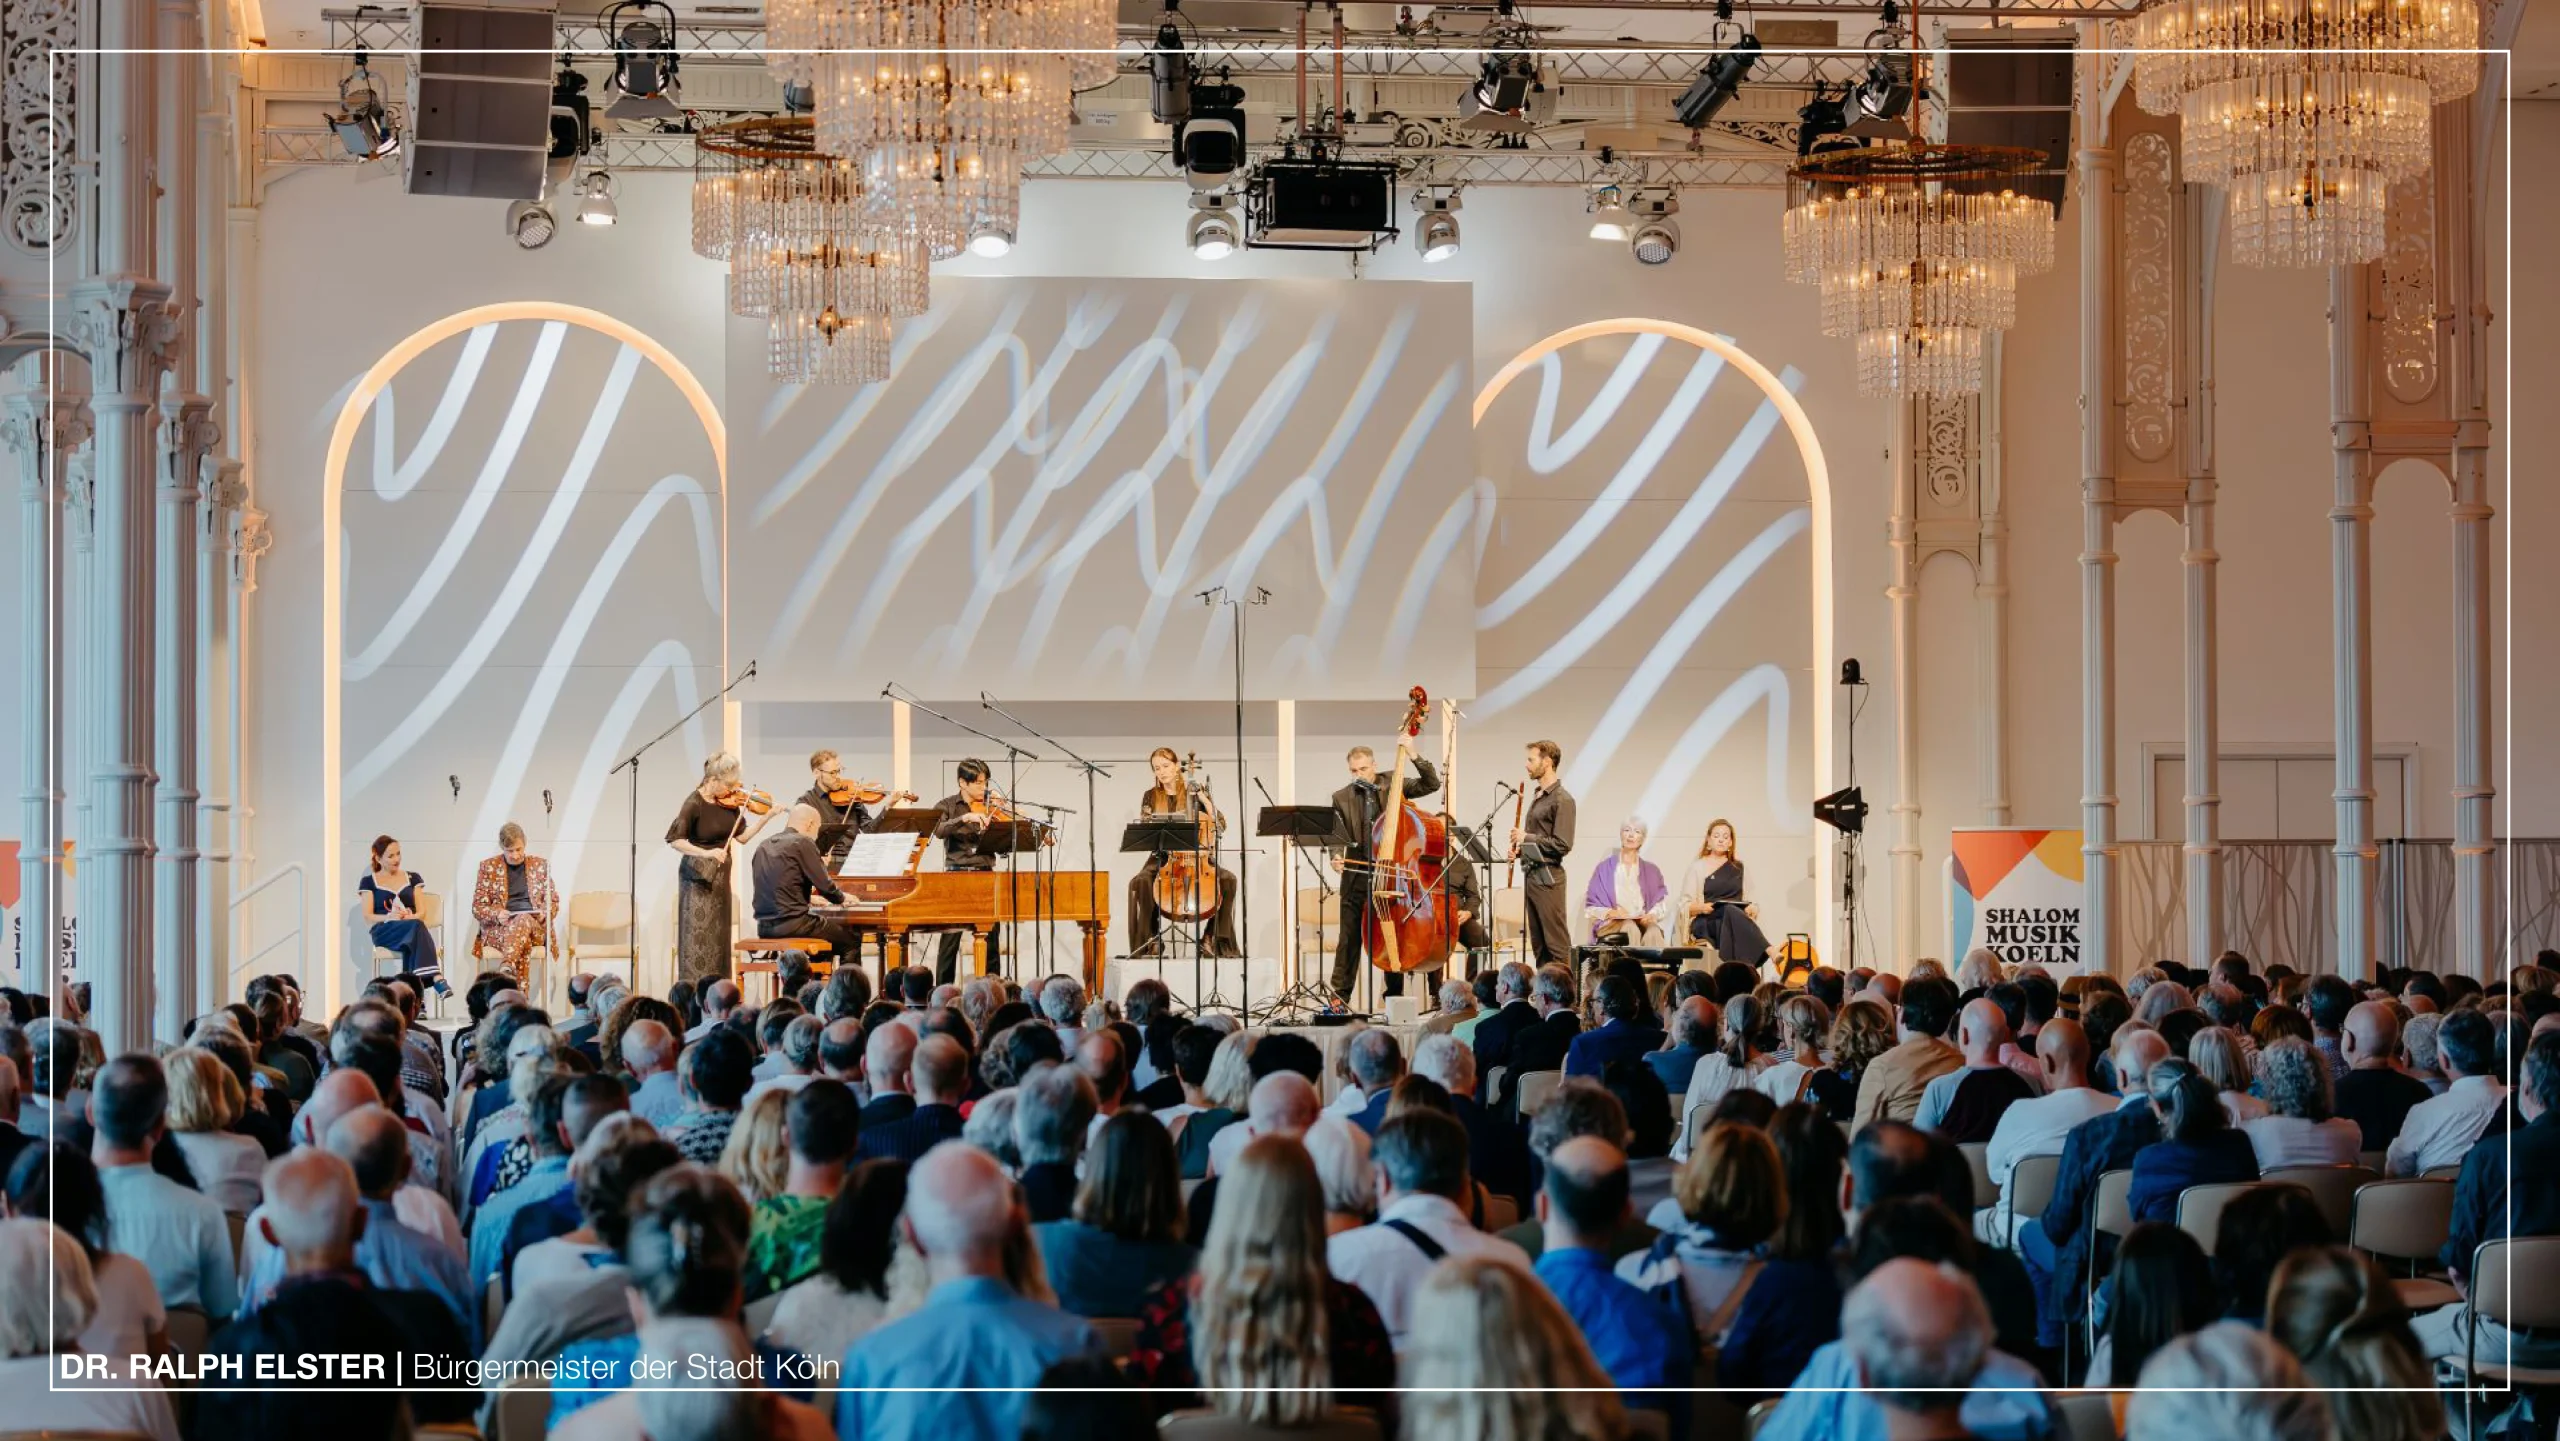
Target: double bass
(1408, 926)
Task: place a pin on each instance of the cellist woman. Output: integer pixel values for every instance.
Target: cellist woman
(1173, 795)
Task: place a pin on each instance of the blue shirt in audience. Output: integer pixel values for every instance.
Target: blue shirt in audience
(178, 1234)
(393, 1257)
(970, 1333)
(1591, 1052)
(1634, 1337)
(2006, 1403)
(1674, 1067)
(548, 1178)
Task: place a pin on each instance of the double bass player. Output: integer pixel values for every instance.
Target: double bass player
(1359, 804)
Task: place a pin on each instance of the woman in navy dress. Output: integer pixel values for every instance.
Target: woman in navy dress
(391, 900)
(1713, 900)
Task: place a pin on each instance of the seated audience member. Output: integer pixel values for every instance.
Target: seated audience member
(1422, 1216)
(2440, 1131)
(1910, 1192)
(1733, 1068)
(205, 1100)
(1340, 1151)
(2337, 1313)
(1580, 1108)
(1914, 1335)
(1793, 1308)
(1731, 1198)
(1497, 1157)
(1804, 1024)
(1103, 1056)
(1693, 1036)
(698, 1358)
(56, 1183)
(974, 1336)
(1060, 1000)
(1457, 1007)
(1052, 1116)
(1226, 1089)
(531, 1257)
(849, 1296)
(888, 1058)
(2162, 1288)
(1179, 1094)
(1122, 1242)
(1637, 1340)
(177, 1233)
(2221, 1058)
(2300, 1128)
(2375, 1093)
(2326, 1001)
(1965, 1105)
(717, 1072)
(937, 1077)
(2039, 1125)
(314, 1214)
(1264, 1329)
(786, 1230)
(2419, 1055)
(1376, 1063)
(1540, 1046)
(2057, 1246)
(48, 1300)
(565, 1109)
(840, 1051)
(2197, 1146)
(1494, 1355)
(800, 1060)
(1627, 1033)
(757, 1155)
(2492, 1202)
(1891, 1086)
(1512, 1011)
(2257, 1230)
(649, 1052)
(2225, 1380)
(393, 1255)
(1861, 1030)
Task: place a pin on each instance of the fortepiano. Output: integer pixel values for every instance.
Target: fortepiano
(977, 901)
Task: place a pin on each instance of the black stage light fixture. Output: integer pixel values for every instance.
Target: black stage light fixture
(1170, 73)
(1321, 205)
(1715, 86)
(1821, 116)
(644, 61)
(1843, 810)
(363, 126)
(572, 119)
(1210, 145)
(1886, 92)
(1849, 674)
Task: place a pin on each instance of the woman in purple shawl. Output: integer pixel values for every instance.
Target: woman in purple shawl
(1627, 902)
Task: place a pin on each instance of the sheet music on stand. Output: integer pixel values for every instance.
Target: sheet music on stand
(880, 853)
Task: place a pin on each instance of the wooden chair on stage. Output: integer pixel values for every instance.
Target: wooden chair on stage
(762, 956)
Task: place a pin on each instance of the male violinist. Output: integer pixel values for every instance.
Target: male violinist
(1540, 841)
(838, 823)
(1360, 804)
(966, 815)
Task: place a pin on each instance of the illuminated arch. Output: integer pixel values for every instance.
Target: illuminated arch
(333, 479)
(1817, 475)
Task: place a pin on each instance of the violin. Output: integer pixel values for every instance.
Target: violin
(869, 793)
(746, 798)
(992, 808)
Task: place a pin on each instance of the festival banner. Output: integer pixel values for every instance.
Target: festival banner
(2017, 892)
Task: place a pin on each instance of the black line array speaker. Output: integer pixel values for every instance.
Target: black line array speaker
(2013, 87)
(480, 100)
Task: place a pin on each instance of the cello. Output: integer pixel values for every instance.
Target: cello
(1187, 883)
(1408, 925)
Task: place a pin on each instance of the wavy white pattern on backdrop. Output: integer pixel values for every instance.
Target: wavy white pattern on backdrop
(1059, 468)
(575, 540)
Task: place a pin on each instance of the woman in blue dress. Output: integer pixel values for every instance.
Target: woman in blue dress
(391, 900)
(1716, 910)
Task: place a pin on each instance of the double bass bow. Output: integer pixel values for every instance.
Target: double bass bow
(1408, 925)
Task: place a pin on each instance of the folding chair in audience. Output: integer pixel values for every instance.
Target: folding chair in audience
(2200, 1208)
(524, 1410)
(2110, 1214)
(2515, 1283)
(1977, 1157)
(1535, 1088)
(2332, 1188)
(1347, 1423)
(2031, 1185)
(2406, 1220)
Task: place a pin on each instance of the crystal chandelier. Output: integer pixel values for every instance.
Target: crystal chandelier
(2304, 111)
(794, 224)
(1917, 250)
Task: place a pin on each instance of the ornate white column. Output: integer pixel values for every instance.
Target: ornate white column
(2199, 222)
(224, 492)
(1991, 607)
(1902, 598)
(123, 318)
(2351, 619)
(44, 423)
(2098, 350)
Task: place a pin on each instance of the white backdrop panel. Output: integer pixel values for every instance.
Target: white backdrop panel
(1060, 466)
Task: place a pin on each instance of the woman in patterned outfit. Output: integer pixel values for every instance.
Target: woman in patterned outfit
(513, 900)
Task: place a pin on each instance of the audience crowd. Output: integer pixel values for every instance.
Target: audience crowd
(1591, 1206)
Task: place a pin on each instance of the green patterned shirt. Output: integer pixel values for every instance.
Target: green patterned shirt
(782, 1243)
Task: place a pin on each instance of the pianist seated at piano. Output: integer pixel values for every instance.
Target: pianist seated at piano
(788, 868)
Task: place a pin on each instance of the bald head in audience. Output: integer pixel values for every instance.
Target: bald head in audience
(1098, 1055)
(961, 1211)
(1983, 1032)
(648, 1048)
(375, 1145)
(1918, 1333)
(2371, 1037)
(2062, 1051)
(1283, 1103)
(339, 1092)
(312, 1212)
(940, 1071)
(885, 1060)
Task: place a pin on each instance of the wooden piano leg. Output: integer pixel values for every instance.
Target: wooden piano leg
(1093, 957)
(980, 937)
(893, 953)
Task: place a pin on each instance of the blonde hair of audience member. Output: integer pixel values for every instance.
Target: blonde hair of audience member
(1732, 1184)
(2216, 1053)
(203, 1094)
(1494, 1358)
(2160, 999)
(1863, 1032)
(36, 1319)
(757, 1156)
(1804, 1022)
(2336, 1311)
(1340, 1151)
(2227, 1380)
(1229, 1084)
(1261, 1336)
(1925, 968)
(1979, 970)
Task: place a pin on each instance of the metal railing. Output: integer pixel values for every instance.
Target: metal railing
(299, 935)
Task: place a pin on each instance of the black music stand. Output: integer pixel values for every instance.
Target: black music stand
(1308, 829)
(1167, 834)
(910, 820)
(1011, 838)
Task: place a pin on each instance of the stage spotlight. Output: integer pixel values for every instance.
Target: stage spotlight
(531, 224)
(1213, 232)
(991, 242)
(644, 61)
(1820, 116)
(1170, 74)
(1435, 235)
(1210, 145)
(362, 125)
(1509, 96)
(1609, 217)
(1886, 92)
(1655, 236)
(572, 123)
(595, 200)
(1715, 86)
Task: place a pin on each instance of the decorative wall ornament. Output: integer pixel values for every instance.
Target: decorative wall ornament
(129, 331)
(40, 194)
(2148, 265)
(2409, 290)
(1948, 453)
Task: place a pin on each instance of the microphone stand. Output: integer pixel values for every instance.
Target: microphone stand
(1256, 595)
(1299, 993)
(1092, 812)
(633, 764)
(1014, 756)
(1508, 790)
